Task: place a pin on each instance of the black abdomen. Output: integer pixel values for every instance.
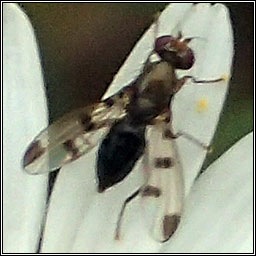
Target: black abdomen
(118, 153)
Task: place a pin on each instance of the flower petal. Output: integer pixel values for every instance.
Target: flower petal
(218, 216)
(68, 206)
(77, 214)
(196, 108)
(24, 113)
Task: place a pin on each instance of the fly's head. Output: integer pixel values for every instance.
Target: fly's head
(175, 51)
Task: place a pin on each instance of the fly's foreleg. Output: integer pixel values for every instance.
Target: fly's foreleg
(184, 79)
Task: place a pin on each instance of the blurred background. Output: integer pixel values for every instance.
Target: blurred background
(82, 46)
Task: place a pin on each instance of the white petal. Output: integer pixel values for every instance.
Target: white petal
(69, 206)
(71, 198)
(214, 54)
(218, 215)
(24, 114)
(89, 218)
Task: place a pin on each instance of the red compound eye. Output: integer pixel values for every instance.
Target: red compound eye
(164, 41)
(175, 52)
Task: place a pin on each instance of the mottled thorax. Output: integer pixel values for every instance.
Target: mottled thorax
(156, 88)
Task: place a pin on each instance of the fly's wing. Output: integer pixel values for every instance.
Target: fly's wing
(73, 135)
(163, 193)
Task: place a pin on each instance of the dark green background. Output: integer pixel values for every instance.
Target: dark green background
(82, 45)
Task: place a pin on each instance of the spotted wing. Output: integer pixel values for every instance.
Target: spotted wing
(163, 193)
(73, 135)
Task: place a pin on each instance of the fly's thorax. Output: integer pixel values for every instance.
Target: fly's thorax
(159, 84)
(155, 90)
(158, 71)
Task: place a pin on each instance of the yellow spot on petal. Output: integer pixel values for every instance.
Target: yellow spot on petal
(202, 105)
(225, 77)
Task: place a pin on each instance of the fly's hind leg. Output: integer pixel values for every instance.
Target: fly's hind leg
(142, 189)
(121, 214)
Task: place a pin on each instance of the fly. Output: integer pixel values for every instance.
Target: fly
(122, 120)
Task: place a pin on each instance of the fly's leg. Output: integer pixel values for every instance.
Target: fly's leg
(194, 80)
(121, 214)
(146, 191)
(166, 117)
(168, 134)
(184, 79)
(134, 194)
